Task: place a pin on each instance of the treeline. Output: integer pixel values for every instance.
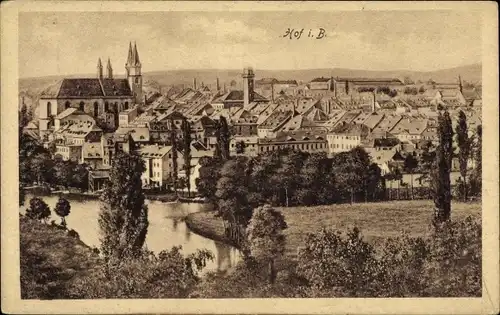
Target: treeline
(287, 178)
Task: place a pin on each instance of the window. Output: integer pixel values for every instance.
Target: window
(96, 109)
(67, 105)
(126, 105)
(49, 109)
(81, 106)
(106, 106)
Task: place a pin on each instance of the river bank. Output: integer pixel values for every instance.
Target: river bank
(207, 225)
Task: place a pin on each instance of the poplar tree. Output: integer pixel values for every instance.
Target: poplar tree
(224, 138)
(173, 142)
(186, 149)
(464, 149)
(442, 187)
(123, 216)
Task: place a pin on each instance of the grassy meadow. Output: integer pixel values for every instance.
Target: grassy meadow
(377, 221)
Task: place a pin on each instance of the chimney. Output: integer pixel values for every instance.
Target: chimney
(218, 85)
(194, 83)
(329, 107)
(331, 83)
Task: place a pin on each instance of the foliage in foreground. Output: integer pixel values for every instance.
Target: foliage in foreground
(55, 265)
(333, 264)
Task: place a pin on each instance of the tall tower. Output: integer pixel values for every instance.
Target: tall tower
(109, 70)
(248, 77)
(134, 76)
(99, 69)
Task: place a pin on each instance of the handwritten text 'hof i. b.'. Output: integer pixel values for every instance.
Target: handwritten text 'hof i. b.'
(292, 33)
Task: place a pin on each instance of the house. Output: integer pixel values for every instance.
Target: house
(71, 116)
(127, 116)
(250, 147)
(273, 123)
(346, 137)
(140, 135)
(92, 155)
(321, 84)
(159, 168)
(307, 141)
(409, 128)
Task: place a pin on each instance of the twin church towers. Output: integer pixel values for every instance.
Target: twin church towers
(133, 71)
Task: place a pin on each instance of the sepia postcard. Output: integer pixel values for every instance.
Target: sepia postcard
(199, 157)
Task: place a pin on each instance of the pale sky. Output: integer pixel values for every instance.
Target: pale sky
(71, 42)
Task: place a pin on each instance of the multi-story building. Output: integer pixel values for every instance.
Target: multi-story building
(159, 168)
(346, 137)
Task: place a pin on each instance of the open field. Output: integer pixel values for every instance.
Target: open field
(376, 221)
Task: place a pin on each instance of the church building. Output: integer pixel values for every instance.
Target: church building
(103, 97)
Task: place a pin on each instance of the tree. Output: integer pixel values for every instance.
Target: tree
(62, 209)
(240, 147)
(206, 183)
(232, 192)
(265, 237)
(464, 145)
(123, 217)
(408, 81)
(444, 155)
(173, 142)
(38, 210)
(287, 176)
(186, 150)
(40, 165)
(421, 90)
(223, 138)
(80, 176)
(410, 166)
(476, 178)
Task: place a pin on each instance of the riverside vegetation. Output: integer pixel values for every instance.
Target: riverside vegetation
(329, 263)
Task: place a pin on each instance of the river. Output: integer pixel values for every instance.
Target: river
(166, 228)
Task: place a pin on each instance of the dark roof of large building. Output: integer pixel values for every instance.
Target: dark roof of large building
(320, 79)
(370, 80)
(237, 96)
(87, 88)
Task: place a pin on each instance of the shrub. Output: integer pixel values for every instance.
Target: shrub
(38, 210)
(448, 263)
(338, 264)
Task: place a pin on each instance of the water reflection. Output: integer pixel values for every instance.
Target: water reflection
(166, 228)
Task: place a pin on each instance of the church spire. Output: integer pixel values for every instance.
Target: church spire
(99, 68)
(109, 70)
(135, 59)
(130, 54)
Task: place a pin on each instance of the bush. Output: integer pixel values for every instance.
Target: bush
(166, 275)
(448, 263)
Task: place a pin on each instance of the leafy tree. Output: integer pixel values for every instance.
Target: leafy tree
(80, 176)
(186, 150)
(41, 165)
(421, 90)
(223, 138)
(240, 147)
(331, 261)
(232, 192)
(62, 209)
(408, 81)
(476, 178)
(173, 142)
(63, 173)
(38, 210)
(444, 155)
(464, 145)
(265, 237)
(123, 217)
(206, 183)
(287, 176)
(410, 166)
